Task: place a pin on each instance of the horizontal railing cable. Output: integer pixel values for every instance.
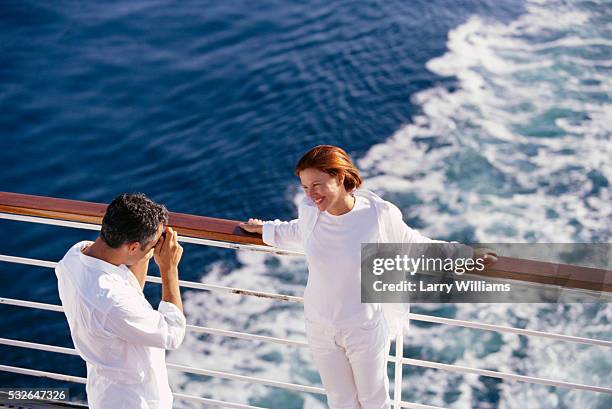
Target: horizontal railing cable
(157, 280)
(245, 378)
(511, 330)
(243, 335)
(501, 375)
(214, 402)
(295, 299)
(193, 328)
(408, 361)
(409, 405)
(31, 304)
(230, 290)
(180, 396)
(72, 351)
(42, 374)
(77, 379)
(182, 368)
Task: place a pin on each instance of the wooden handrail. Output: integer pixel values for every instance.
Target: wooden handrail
(88, 212)
(564, 275)
(540, 272)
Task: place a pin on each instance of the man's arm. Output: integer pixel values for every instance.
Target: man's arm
(167, 255)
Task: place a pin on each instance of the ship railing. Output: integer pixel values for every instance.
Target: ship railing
(226, 234)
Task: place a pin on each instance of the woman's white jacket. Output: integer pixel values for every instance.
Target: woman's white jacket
(391, 229)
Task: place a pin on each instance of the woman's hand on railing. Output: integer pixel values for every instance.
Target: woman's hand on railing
(252, 226)
(488, 256)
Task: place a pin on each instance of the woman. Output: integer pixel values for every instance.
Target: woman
(349, 340)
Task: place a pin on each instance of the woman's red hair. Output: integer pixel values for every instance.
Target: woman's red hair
(332, 160)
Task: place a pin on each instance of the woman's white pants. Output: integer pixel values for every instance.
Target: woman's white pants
(352, 363)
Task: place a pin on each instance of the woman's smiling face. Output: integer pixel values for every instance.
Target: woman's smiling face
(323, 189)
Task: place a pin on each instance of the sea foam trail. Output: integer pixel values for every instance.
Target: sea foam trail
(520, 150)
(517, 151)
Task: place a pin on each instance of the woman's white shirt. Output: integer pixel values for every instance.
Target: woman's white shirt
(333, 253)
(382, 222)
(297, 235)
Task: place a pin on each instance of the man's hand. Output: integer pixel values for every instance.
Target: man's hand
(252, 226)
(167, 256)
(488, 256)
(168, 253)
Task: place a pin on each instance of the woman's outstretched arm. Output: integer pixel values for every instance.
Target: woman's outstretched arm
(276, 233)
(402, 233)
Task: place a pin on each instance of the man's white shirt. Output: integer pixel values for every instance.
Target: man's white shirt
(117, 332)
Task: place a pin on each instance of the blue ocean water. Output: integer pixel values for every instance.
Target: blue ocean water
(483, 120)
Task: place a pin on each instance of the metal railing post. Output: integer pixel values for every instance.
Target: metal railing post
(399, 354)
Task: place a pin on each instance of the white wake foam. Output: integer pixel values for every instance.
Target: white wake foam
(519, 152)
(518, 148)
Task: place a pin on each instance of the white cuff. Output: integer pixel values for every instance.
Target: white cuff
(172, 313)
(268, 233)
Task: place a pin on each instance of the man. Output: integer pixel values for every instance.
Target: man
(113, 327)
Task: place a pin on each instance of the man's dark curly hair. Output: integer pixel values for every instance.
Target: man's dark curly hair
(132, 217)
